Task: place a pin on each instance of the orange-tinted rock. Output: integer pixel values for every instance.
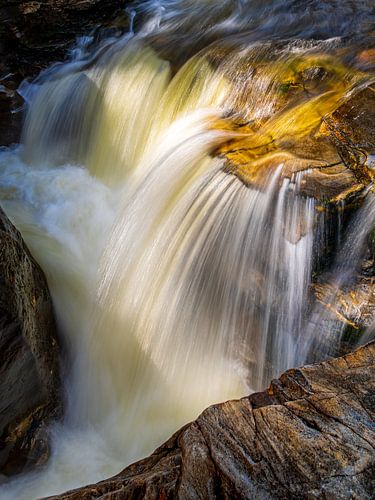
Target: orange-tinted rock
(366, 59)
(335, 148)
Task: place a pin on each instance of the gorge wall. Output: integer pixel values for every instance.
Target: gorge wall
(29, 366)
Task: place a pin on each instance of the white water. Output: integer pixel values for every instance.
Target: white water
(173, 328)
(175, 286)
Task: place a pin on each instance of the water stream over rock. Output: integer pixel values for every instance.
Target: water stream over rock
(177, 184)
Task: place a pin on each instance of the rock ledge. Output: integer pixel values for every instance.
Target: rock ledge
(310, 435)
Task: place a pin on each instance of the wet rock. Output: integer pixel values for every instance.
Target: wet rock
(33, 35)
(351, 128)
(322, 181)
(354, 306)
(329, 134)
(310, 435)
(29, 367)
(11, 105)
(345, 303)
(330, 184)
(346, 310)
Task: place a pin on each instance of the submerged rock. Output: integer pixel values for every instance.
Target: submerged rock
(310, 435)
(29, 366)
(355, 306)
(345, 305)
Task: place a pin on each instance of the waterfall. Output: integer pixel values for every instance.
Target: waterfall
(179, 278)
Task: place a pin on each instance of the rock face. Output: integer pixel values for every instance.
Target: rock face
(34, 34)
(29, 370)
(310, 435)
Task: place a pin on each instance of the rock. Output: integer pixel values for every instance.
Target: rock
(11, 105)
(33, 35)
(345, 293)
(346, 308)
(347, 313)
(310, 435)
(366, 59)
(330, 136)
(29, 366)
(351, 128)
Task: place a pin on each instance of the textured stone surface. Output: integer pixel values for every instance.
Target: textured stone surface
(335, 150)
(352, 129)
(310, 435)
(29, 371)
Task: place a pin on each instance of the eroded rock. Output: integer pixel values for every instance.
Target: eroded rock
(352, 130)
(328, 135)
(310, 435)
(29, 367)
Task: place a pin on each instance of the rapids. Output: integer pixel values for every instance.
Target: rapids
(176, 284)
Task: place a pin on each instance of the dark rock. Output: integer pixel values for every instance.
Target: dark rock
(33, 35)
(29, 367)
(310, 435)
(11, 105)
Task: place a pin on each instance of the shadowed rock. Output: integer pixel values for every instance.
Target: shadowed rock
(310, 435)
(29, 370)
(35, 34)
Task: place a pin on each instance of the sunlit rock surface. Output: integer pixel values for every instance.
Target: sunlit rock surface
(29, 371)
(330, 137)
(311, 434)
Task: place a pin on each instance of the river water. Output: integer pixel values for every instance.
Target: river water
(176, 285)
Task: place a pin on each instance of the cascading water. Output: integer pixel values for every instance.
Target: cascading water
(176, 284)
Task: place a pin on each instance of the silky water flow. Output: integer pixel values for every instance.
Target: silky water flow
(175, 284)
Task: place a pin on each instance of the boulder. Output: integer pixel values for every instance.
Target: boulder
(29, 364)
(330, 137)
(310, 435)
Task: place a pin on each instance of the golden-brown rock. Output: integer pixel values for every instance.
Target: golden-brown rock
(330, 136)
